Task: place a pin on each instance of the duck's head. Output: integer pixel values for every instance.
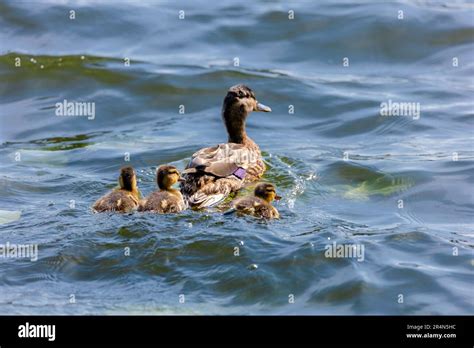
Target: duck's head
(167, 176)
(239, 102)
(127, 179)
(266, 192)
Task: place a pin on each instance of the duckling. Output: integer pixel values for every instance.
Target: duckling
(123, 199)
(259, 205)
(166, 199)
(215, 172)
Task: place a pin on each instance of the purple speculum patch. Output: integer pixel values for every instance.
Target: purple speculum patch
(240, 173)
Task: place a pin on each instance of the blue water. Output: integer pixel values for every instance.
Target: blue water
(343, 169)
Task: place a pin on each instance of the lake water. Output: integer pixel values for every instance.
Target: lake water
(399, 188)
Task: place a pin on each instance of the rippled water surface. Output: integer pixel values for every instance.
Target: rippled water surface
(400, 186)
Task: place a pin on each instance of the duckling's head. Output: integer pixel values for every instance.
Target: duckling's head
(127, 179)
(239, 102)
(167, 176)
(266, 192)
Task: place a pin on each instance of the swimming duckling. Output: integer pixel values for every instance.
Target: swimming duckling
(166, 199)
(259, 205)
(215, 172)
(123, 199)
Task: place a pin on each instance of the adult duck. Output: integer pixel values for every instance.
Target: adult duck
(215, 172)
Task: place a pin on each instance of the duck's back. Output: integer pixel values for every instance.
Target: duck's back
(163, 202)
(255, 206)
(223, 159)
(119, 201)
(214, 172)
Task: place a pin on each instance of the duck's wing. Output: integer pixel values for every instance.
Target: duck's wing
(224, 160)
(210, 190)
(214, 172)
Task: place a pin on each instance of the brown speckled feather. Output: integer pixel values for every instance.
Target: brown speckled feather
(163, 202)
(202, 181)
(255, 206)
(118, 201)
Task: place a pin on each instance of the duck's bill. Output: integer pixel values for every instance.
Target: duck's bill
(264, 108)
(277, 198)
(181, 180)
